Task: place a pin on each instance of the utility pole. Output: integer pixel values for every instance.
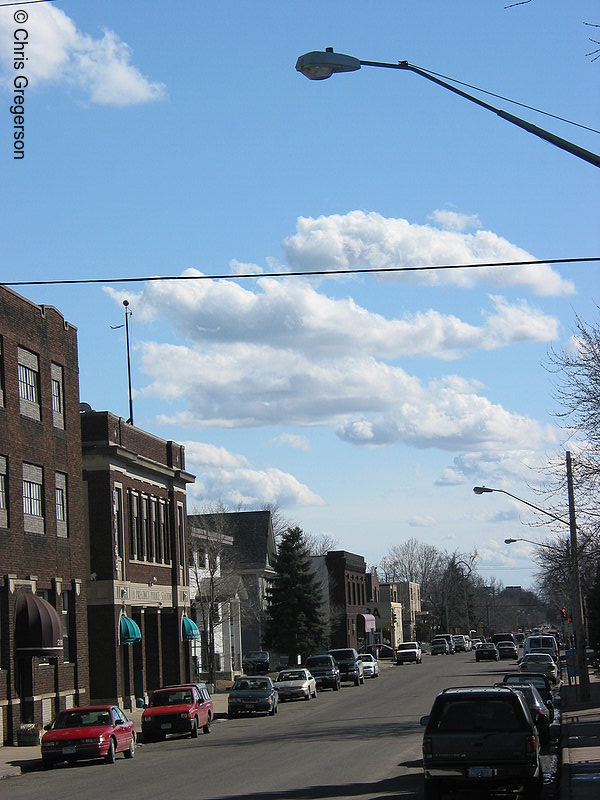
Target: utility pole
(576, 600)
(127, 315)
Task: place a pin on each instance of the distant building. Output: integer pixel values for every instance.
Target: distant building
(254, 552)
(345, 598)
(140, 631)
(409, 595)
(43, 620)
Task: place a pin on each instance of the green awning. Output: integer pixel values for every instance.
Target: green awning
(129, 630)
(191, 631)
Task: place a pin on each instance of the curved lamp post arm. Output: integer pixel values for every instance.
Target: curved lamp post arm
(320, 65)
(488, 489)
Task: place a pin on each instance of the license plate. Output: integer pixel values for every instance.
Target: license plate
(480, 772)
(166, 725)
(69, 750)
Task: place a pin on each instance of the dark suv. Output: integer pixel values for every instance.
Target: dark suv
(350, 665)
(481, 739)
(324, 670)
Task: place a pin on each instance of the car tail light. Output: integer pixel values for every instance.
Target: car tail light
(531, 744)
(427, 749)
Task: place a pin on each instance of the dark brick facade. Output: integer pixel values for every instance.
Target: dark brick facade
(135, 488)
(348, 596)
(42, 552)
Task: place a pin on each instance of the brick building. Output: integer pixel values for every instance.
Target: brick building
(346, 595)
(43, 623)
(138, 592)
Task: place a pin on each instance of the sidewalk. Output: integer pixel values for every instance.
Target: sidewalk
(580, 742)
(16, 760)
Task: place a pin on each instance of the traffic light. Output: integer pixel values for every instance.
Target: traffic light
(563, 613)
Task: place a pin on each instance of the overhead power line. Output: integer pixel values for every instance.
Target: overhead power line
(300, 273)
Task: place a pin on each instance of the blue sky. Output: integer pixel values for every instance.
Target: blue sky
(171, 141)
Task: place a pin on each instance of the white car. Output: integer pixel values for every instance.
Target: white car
(409, 652)
(370, 665)
(295, 684)
(540, 662)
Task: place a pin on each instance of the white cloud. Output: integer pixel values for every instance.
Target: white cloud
(422, 522)
(57, 52)
(292, 440)
(453, 221)
(292, 314)
(236, 482)
(370, 241)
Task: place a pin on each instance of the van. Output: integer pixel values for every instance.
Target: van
(541, 643)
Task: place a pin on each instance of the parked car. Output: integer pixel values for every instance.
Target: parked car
(540, 662)
(476, 642)
(448, 637)
(350, 665)
(508, 650)
(184, 708)
(440, 647)
(381, 651)
(87, 732)
(370, 665)
(540, 713)
(256, 662)
(325, 671)
(487, 652)
(250, 694)
(408, 652)
(537, 679)
(481, 739)
(295, 684)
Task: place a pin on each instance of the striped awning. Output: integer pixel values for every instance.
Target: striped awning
(38, 627)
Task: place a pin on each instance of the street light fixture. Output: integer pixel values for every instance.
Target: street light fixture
(577, 607)
(319, 65)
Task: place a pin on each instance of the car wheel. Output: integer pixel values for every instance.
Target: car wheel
(232, 714)
(357, 681)
(206, 726)
(307, 695)
(130, 752)
(47, 763)
(111, 756)
(71, 761)
(336, 687)
(273, 711)
(194, 731)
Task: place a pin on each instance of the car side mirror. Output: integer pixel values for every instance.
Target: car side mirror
(48, 726)
(424, 720)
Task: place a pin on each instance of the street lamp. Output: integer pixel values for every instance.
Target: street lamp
(577, 607)
(537, 544)
(319, 65)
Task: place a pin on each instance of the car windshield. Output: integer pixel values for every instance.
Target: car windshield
(80, 719)
(252, 684)
(342, 654)
(538, 658)
(367, 657)
(475, 714)
(314, 661)
(172, 698)
(292, 675)
(408, 646)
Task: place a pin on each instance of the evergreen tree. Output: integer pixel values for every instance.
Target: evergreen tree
(294, 625)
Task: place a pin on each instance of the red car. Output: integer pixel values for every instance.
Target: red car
(177, 709)
(88, 732)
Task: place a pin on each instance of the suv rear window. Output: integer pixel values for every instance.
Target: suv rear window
(314, 661)
(476, 715)
(342, 654)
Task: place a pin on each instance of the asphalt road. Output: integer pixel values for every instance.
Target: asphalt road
(362, 743)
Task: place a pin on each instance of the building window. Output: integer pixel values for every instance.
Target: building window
(3, 492)
(57, 390)
(146, 534)
(154, 531)
(66, 621)
(1, 373)
(180, 535)
(163, 523)
(60, 499)
(33, 494)
(29, 383)
(118, 520)
(133, 524)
